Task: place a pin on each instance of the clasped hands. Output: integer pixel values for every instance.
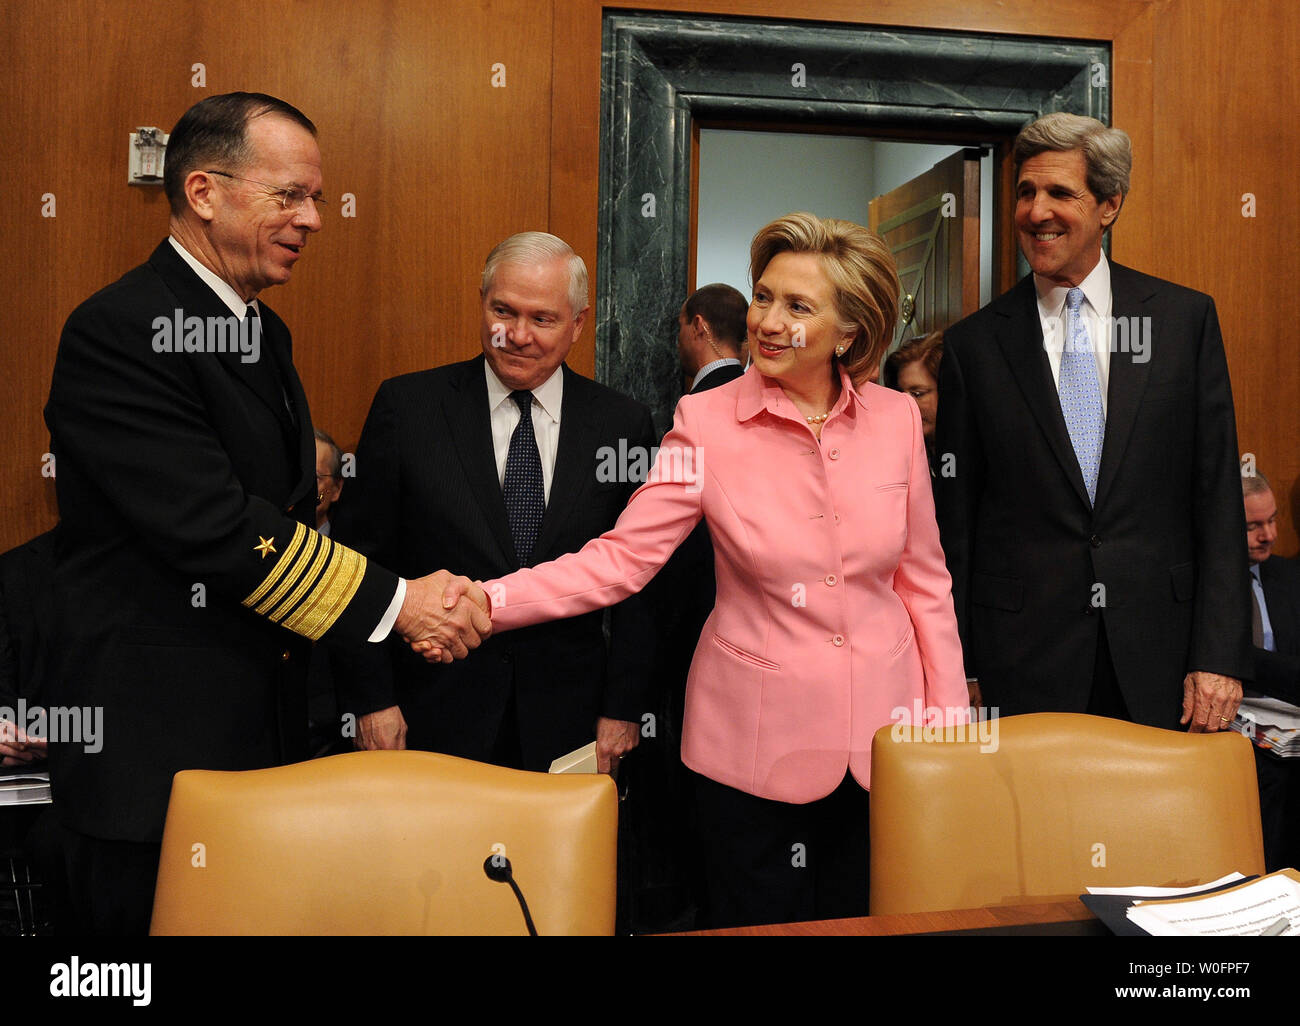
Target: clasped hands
(443, 616)
(17, 747)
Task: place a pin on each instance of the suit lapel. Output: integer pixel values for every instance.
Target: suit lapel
(1020, 335)
(194, 298)
(580, 428)
(1128, 375)
(306, 441)
(470, 428)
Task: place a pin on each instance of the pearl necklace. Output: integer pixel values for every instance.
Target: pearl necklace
(819, 418)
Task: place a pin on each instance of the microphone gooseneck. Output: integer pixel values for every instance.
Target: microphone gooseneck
(499, 870)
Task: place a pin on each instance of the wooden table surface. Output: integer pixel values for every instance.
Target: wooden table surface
(1041, 914)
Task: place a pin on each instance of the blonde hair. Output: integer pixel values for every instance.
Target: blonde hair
(862, 273)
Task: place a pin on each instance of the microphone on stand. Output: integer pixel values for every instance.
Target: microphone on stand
(498, 868)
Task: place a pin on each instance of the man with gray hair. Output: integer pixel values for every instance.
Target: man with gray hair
(1274, 699)
(188, 582)
(1087, 467)
(491, 465)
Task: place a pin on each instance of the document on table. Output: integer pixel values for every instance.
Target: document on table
(1241, 911)
(582, 760)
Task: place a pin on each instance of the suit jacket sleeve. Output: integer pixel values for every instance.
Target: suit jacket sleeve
(957, 485)
(137, 420)
(1220, 640)
(629, 686)
(923, 584)
(621, 561)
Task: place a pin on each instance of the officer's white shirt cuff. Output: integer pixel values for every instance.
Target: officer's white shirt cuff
(386, 622)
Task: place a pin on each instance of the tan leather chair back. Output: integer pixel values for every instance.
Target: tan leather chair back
(386, 843)
(1053, 803)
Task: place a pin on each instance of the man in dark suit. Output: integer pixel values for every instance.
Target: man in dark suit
(1274, 695)
(710, 336)
(669, 882)
(26, 622)
(26, 612)
(188, 584)
(1087, 467)
(506, 460)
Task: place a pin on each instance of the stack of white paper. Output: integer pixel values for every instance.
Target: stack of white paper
(1246, 910)
(25, 789)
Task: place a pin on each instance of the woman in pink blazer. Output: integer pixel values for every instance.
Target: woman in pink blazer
(833, 601)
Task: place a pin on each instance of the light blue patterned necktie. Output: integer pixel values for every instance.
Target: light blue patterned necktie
(1080, 388)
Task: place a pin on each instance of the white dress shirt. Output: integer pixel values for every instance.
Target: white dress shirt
(1096, 313)
(504, 415)
(709, 368)
(218, 285)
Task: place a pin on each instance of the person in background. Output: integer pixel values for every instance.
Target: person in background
(914, 368)
(324, 717)
(834, 608)
(329, 479)
(1273, 697)
(26, 622)
(668, 888)
(710, 334)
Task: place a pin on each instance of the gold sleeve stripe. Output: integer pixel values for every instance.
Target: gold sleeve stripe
(281, 567)
(331, 595)
(305, 580)
(294, 573)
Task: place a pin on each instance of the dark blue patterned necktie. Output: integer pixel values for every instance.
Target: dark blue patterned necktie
(525, 497)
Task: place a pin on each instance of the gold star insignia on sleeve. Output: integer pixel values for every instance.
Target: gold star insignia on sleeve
(310, 585)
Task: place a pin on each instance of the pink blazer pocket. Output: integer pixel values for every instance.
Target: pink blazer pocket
(744, 656)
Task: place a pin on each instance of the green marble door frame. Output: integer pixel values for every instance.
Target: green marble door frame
(660, 72)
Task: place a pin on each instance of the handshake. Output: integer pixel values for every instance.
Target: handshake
(444, 616)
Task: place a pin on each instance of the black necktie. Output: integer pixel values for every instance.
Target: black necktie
(253, 323)
(524, 494)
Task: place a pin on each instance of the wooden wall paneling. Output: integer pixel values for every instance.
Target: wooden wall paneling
(1225, 102)
(442, 166)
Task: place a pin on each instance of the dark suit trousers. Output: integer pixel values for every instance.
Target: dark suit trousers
(110, 884)
(777, 862)
(1279, 808)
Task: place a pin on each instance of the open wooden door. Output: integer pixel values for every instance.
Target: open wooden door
(932, 226)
